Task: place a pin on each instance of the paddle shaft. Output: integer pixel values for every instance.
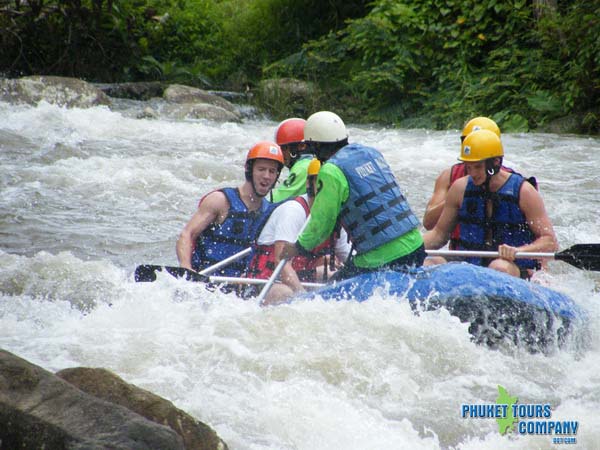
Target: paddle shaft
(277, 271)
(147, 273)
(226, 261)
(271, 281)
(582, 256)
(486, 254)
(240, 280)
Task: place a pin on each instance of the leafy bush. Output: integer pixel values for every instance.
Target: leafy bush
(431, 63)
(436, 63)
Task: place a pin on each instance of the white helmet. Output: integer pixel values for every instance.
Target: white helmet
(325, 126)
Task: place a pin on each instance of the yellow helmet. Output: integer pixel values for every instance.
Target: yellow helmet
(479, 123)
(481, 145)
(313, 167)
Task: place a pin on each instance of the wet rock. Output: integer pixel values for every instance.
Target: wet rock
(40, 410)
(182, 111)
(143, 90)
(106, 385)
(178, 93)
(287, 96)
(62, 91)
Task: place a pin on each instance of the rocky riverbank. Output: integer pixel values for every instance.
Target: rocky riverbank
(88, 408)
(174, 101)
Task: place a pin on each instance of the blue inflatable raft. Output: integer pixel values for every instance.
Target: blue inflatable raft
(499, 307)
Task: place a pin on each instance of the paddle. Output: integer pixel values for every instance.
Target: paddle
(147, 272)
(271, 280)
(582, 256)
(277, 271)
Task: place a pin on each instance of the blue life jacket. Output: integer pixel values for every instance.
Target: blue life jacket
(376, 211)
(237, 232)
(507, 225)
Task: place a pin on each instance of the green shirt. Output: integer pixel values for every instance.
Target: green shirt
(334, 192)
(295, 183)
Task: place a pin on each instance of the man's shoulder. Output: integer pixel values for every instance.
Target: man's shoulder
(288, 212)
(216, 199)
(444, 175)
(288, 205)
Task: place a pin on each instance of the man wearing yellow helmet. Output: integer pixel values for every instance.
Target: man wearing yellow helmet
(283, 227)
(496, 210)
(228, 220)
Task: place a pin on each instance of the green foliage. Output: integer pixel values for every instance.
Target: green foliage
(439, 62)
(431, 63)
(260, 32)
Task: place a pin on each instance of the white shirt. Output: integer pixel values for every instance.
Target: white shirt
(286, 222)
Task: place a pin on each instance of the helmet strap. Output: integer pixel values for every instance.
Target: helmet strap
(492, 168)
(248, 170)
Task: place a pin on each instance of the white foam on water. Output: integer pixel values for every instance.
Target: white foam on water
(94, 193)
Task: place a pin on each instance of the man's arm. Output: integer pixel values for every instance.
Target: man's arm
(213, 208)
(288, 274)
(439, 235)
(324, 212)
(438, 198)
(532, 206)
(334, 191)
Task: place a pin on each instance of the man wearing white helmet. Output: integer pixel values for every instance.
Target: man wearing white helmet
(358, 189)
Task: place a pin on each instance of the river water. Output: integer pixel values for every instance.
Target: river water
(86, 195)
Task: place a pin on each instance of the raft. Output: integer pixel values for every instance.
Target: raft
(500, 308)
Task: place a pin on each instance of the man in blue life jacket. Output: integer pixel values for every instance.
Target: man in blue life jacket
(290, 137)
(358, 189)
(228, 220)
(496, 210)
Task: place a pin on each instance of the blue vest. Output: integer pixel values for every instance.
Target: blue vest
(507, 225)
(376, 211)
(237, 232)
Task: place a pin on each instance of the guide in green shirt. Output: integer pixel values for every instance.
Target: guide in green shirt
(358, 189)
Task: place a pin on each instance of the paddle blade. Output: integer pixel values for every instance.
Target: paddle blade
(583, 256)
(147, 273)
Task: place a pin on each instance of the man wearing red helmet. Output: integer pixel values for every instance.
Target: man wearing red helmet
(290, 137)
(228, 220)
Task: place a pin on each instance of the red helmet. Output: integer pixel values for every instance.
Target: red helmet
(290, 130)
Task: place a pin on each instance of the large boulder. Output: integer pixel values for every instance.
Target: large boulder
(183, 111)
(62, 91)
(140, 90)
(178, 93)
(40, 410)
(106, 385)
(287, 97)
